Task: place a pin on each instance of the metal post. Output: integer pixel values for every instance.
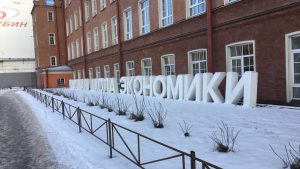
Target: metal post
(79, 118)
(193, 160)
(52, 100)
(109, 137)
(63, 109)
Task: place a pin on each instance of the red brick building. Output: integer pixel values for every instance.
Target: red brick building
(106, 38)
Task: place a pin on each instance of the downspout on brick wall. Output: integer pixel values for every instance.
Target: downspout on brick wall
(65, 33)
(57, 35)
(120, 52)
(83, 37)
(209, 36)
(46, 78)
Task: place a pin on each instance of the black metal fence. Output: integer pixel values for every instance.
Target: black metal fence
(113, 135)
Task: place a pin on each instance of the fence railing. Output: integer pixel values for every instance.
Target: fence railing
(113, 135)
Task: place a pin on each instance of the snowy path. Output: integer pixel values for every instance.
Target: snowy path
(21, 143)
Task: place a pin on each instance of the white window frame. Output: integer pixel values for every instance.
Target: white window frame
(290, 66)
(78, 52)
(87, 11)
(148, 67)
(228, 2)
(51, 61)
(94, 7)
(106, 71)
(67, 28)
(79, 74)
(163, 64)
(52, 17)
(89, 42)
(80, 19)
(91, 73)
(130, 71)
(229, 58)
(161, 17)
(104, 35)
(102, 4)
(71, 24)
(190, 6)
(76, 19)
(61, 82)
(83, 73)
(74, 74)
(117, 71)
(69, 52)
(144, 29)
(191, 63)
(128, 32)
(98, 71)
(73, 50)
(114, 30)
(96, 39)
(50, 38)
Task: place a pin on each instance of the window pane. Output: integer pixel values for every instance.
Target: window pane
(246, 50)
(296, 67)
(297, 57)
(296, 92)
(233, 51)
(297, 79)
(296, 42)
(239, 50)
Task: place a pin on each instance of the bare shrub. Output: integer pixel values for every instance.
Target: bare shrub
(90, 101)
(138, 113)
(110, 105)
(185, 128)
(121, 106)
(292, 157)
(225, 139)
(103, 101)
(157, 113)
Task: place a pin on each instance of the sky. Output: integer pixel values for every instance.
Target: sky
(16, 36)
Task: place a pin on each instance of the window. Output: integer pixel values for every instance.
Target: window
(197, 61)
(52, 60)
(51, 39)
(98, 72)
(144, 17)
(89, 42)
(73, 50)
(168, 64)
(146, 67)
(104, 35)
(66, 3)
(128, 24)
(106, 71)
(69, 52)
(196, 7)
(79, 12)
(94, 7)
(74, 74)
(230, 1)
(83, 74)
(241, 57)
(71, 24)
(102, 4)
(87, 11)
(166, 12)
(50, 16)
(114, 31)
(96, 39)
(117, 71)
(60, 82)
(67, 28)
(91, 73)
(130, 68)
(76, 20)
(77, 48)
(79, 74)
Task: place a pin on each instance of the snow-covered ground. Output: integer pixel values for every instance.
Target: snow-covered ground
(260, 127)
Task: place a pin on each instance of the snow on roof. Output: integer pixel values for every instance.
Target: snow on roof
(60, 69)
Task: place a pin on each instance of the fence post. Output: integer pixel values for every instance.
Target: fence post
(63, 109)
(109, 137)
(52, 101)
(193, 160)
(79, 118)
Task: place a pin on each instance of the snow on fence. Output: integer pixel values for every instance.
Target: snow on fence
(115, 137)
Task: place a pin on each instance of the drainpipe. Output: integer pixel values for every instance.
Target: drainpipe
(119, 38)
(46, 77)
(209, 36)
(57, 35)
(65, 33)
(83, 37)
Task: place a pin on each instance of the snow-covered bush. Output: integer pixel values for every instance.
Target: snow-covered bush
(137, 114)
(121, 106)
(225, 139)
(103, 101)
(185, 128)
(157, 113)
(110, 105)
(292, 157)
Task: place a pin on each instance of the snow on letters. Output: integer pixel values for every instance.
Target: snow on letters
(201, 87)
